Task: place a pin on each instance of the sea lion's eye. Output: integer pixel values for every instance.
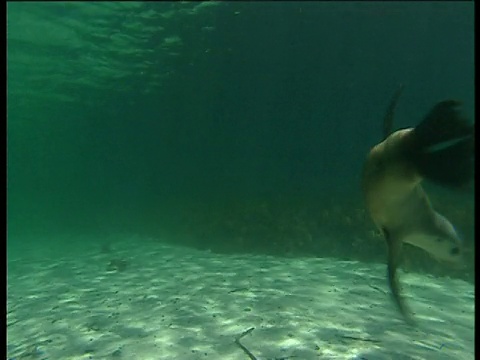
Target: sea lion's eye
(455, 251)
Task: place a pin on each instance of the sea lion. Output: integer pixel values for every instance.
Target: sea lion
(439, 149)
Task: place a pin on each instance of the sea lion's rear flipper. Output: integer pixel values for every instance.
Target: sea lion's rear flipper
(442, 146)
(388, 119)
(394, 257)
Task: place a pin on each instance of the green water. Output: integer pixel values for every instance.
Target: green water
(246, 121)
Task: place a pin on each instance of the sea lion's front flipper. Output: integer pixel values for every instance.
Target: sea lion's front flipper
(394, 257)
(388, 119)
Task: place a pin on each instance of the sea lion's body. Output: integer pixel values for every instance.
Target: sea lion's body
(395, 198)
(399, 205)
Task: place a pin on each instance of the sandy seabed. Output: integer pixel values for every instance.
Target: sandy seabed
(140, 299)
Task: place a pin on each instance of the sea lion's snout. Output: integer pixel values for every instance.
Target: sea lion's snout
(439, 239)
(455, 251)
(436, 235)
(446, 250)
(441, 247)
(449, 245)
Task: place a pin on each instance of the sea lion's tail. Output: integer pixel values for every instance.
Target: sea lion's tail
(442, 147)
(394, 257)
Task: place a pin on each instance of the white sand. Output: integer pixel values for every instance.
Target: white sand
(178, 303)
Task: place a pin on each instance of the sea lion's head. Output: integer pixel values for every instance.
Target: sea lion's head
(439, 239)
(448, 244)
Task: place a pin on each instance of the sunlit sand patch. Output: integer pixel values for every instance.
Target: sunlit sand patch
(141, 299)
